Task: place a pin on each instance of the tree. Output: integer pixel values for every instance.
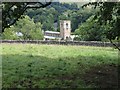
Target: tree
(90, 30)
(12, 11)
(25, 26)
(43, 15)
(77, 17)
(0, 18)
(83, 15)
(9, 34)
(109, 15)
(53, 13)
(37, 33)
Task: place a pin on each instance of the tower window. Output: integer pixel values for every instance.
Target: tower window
(67, 26)
(61, 25)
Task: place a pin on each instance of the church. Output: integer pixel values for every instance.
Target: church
(64, 34)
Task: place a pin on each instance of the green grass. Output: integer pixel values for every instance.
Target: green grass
(50, 66)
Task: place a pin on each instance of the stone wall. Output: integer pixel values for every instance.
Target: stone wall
(84, 43)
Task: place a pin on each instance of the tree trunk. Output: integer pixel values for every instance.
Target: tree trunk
(117, 46)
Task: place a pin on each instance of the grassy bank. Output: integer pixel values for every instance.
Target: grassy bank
(50, 66)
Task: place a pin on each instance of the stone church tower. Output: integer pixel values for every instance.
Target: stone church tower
(65, 29)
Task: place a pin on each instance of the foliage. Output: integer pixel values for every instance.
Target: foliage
(90, 30)
(0, 25)
(60, 11)
(62, 7)
(12, 11)
(77, 17)
(27, 27)
(51, 14)
(48, 15)
(36, 34)
(109, 15)
(9, 34)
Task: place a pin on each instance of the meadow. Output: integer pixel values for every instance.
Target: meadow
(58, 66)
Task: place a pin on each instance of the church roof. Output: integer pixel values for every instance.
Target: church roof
(52, 32)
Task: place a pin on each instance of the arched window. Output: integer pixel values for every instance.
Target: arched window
(61, 24)
(67, 26)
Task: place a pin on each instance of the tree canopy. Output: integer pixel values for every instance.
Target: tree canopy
(109, 15)
(90, 31)
(12, 11)
(24, 29)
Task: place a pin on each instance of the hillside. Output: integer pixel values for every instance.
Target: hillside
(58, 11)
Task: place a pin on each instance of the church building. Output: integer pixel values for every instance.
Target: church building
(64, 34)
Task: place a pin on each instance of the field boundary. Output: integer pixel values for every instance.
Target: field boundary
(83, 43)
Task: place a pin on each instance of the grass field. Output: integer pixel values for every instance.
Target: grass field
(51, 66)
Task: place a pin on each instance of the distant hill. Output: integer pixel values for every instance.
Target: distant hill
(50, 16)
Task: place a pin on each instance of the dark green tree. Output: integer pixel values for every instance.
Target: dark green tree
(109, 15)
(90, 30)
(12, 11)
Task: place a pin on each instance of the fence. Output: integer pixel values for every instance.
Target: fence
(84, 43)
